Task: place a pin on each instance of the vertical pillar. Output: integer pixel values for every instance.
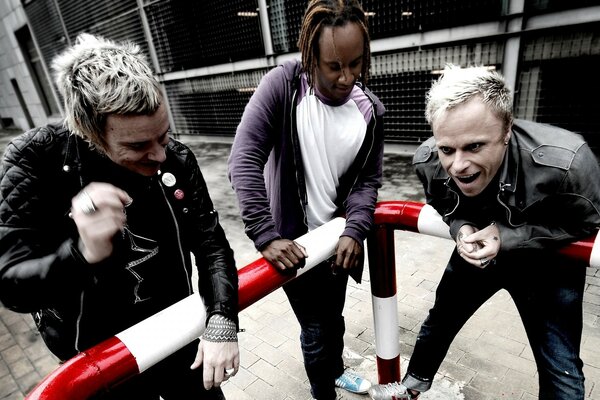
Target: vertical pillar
(382, 270)
(265, 27)
(512, 46)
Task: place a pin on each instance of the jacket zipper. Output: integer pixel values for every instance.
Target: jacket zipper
(78, 325)
(447, 184)
(508, 212)
(302, 195)
(188, 277)
(502, 187)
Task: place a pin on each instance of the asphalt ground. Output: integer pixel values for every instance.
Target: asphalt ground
(489, 360)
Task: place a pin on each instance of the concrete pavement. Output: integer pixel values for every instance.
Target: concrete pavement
(490, 358)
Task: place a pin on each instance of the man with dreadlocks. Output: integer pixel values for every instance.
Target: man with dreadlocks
(309, 147)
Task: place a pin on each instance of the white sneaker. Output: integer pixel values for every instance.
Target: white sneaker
(390, 391)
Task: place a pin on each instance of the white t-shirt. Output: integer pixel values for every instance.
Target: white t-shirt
(330, 136)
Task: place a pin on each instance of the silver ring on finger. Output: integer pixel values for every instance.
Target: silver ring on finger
(484, 261)
(85, 203)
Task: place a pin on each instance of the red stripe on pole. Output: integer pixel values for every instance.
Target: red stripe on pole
(110, 362)
(404, 215)
(580, 250)
(258, 279)
(398, 214)
(388, 371)
(382, 262)
(88, 373)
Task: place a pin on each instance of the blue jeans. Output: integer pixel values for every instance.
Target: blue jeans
(317, 299)
(547, 290)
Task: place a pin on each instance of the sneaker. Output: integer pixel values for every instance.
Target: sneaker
(391, 391)
(352, 382)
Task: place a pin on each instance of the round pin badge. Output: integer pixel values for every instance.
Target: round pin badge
(168, 179)
(178, 194)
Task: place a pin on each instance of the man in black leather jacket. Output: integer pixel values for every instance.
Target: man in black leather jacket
(99, 217)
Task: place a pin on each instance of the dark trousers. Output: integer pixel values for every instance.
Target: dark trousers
(171, 379)
(547, 290)
(317, 299)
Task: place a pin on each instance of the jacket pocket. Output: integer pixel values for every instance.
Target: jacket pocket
(58, 333)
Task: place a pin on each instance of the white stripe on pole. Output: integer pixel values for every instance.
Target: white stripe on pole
(430, 223)
(320, 242)
(160, 335)
(387, 336)
(595, 255)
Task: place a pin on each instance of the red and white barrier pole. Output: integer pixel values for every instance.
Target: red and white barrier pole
(421, 218)
(141, 346)
(389, 216)
(382, 271)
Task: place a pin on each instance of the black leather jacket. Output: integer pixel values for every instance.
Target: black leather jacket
(76, 305)
(548, 191)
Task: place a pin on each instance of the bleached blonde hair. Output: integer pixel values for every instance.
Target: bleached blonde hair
(97, 77)
(458, 85)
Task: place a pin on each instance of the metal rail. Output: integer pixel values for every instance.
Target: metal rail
(148, 342)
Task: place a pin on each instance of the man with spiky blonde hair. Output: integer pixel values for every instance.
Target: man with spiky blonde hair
(98, 220)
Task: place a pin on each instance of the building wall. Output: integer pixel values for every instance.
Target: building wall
(12, 65)
(210, 55)
(22, 111)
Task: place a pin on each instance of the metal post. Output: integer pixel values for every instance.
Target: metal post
(382, 270)
(265, 27)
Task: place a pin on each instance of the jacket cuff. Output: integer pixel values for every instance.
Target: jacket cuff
(354, 234)
(224, 310)
(261, 242)
(455, 226)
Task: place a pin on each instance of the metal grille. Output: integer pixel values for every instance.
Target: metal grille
(191, 34)
(542, 6)
(212, 105)
(387, 19)
(556, 85)
(95, 16)
(408, 16)
(401, 81)
(188, 35)
(285, 17)
(114, 19)
(45, 23)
